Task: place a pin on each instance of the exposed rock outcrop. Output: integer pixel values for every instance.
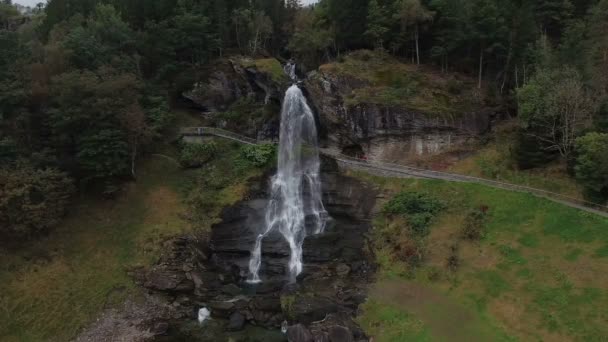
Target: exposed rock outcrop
(338, 266)
(375, 106)
(256, 85)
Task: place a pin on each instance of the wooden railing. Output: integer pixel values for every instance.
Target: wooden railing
(411, 171)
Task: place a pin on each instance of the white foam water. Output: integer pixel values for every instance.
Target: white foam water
(295, 208)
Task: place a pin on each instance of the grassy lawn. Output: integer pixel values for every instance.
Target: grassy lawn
(539, 274)
(53, 287)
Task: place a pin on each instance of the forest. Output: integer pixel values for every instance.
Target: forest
(86, 85)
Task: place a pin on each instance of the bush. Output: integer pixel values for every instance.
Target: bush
(418, 208)
(474, 224)
(32, 200)
(197, 155)
(259, 155)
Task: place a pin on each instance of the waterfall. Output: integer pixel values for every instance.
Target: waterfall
(290, 70)
(295, 208)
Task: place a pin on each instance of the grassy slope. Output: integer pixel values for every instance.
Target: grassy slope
(541, 273)
(53, 287)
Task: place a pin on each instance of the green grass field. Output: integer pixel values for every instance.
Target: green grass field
(539, 274)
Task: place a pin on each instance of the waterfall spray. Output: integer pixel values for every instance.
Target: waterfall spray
(295, 208)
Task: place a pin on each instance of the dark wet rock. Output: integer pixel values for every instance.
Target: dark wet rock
(270, 286)
(160, 328)
(272, 304)
(308, 309)
(221, 308)
(336, 267)
(342, 270)
(340, 334)
(163, 279)
(237, 322)
(321, 337)
(231, 289)
(230, 80)
(299, 333)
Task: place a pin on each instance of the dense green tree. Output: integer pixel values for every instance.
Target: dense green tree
(488, 31)
(555, 108)
(310, 41)
(348, 18)
(592, 165)
(412, 14)
(377, 24)
(89, 118)
(552, 15)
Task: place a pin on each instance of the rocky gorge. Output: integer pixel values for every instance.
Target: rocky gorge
(211, 271)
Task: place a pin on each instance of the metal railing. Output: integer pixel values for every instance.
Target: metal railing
(203, 131)
(412, 171)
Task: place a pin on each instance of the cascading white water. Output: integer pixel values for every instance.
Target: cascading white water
(296, 206)
(290, 70)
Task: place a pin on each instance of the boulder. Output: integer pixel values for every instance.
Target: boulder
(340, 334)
(221, 309)
(163, 279)
(307, 309)
(237, 322)
(231, 289)
(298, 333)
(160, 328)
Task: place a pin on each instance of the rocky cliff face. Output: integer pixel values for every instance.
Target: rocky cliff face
(376, 106)
(242, 94)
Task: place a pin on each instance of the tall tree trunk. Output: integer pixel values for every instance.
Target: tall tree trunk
(416, 37)
(133, 158)
(480, 67)
(238, 36)
(508, 64)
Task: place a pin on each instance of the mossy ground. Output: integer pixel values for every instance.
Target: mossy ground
(270, 66)
(539, 274)
(53, 287)
(380, 79)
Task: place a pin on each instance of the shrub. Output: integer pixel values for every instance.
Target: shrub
(418, 208)
(197, 155)
(259, 155)
(453, 261)
(474, 224)
(592, 165)
(31, 200)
